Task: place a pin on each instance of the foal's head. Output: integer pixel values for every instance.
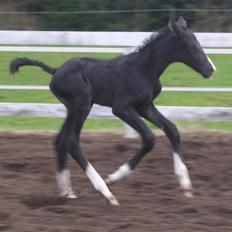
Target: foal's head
(189, 50)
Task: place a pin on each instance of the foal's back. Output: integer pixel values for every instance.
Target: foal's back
(97, 77)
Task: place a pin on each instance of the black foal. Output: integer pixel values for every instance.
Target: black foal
(128, 84)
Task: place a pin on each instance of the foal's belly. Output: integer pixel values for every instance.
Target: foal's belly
(103, 97)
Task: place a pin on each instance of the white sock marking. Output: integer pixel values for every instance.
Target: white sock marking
(120, 173)
(98, 182)
(182, 172)
(64, 184)
(212, 64)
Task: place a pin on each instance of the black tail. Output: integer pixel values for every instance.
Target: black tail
(18, 62)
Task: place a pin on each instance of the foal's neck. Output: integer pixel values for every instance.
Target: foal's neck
(156, 56)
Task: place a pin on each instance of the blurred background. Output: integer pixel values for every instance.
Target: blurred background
(118, 15)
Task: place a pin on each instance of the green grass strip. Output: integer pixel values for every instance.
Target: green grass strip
(100, 125)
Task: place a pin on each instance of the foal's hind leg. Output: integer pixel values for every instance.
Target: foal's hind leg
(63, 175)
(154, 116)
(77, 115)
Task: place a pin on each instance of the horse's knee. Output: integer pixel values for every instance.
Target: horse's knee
(175, 133)
(148, 143)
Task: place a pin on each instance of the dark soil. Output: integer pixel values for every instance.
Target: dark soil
(150, 198)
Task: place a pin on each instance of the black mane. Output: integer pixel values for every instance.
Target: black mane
(154, 39)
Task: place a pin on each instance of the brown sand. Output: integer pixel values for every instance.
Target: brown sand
(150, 198)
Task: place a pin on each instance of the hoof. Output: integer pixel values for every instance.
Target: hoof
(188, 194)
(113, 201)
(69, 195)
(108, 181)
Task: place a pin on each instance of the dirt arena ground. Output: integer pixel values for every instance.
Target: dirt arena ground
(150, 198)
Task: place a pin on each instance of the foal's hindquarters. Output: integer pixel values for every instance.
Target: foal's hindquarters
(75, 93)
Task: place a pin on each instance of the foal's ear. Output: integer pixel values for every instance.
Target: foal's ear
(175, 28)
(182, 22)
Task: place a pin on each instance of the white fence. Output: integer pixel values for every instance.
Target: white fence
(87, 38)
(123, 50)
(165, 89)
(173, 112)
(213, 43)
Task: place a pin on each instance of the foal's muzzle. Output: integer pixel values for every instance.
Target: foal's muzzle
(210, 70)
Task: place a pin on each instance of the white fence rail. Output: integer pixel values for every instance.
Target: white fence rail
(165, 89)
(58, 110)
(174, 112)
(83, 38)
(65, 49)
(122, 50)
(214, 43)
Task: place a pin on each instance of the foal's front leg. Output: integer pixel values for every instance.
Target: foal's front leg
(132, 118)
(154, 116)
